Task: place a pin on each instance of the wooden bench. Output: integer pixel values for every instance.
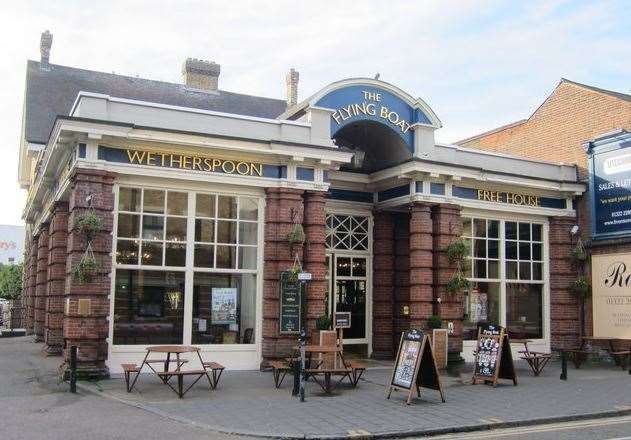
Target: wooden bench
(621, 358)
(357, 369)
(128, 369)
(216, 370)
(328, 372)
(536, 360)
(280, 369)
(578, 356)
(180, 379)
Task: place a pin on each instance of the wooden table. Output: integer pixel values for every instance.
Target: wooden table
(620, 357)
(314, 370)
(166, 374)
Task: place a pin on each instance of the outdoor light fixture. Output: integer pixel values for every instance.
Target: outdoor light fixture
(574, 230)
(358, 158)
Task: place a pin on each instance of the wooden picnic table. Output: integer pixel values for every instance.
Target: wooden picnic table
(620, 357)
(537, 360)
(311, 370)
(166, 374)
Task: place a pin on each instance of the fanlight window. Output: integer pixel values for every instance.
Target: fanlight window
(347, 232)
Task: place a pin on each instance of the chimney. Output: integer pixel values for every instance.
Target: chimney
(45, 43)
(292, 87)
(201, 74)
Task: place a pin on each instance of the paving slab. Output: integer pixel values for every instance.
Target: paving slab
(247, 403)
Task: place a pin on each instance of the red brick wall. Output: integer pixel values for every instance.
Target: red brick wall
(315, 255)
(89, 332)
(57, 253)
(31, 272)
(421, 265)
(277, 258)
(447, 226)
(571, 115)
(41, 280)
(401, 275)
(383, 284)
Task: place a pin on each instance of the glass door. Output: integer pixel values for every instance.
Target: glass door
(348, 292)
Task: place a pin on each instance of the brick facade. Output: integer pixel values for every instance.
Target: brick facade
(281, 205)
(57, 254)
(401, 275)
(30, 274)
(421, 265)
(315, 255)
(41, 282)
(447, 226)
(89, 331)
(383, 284)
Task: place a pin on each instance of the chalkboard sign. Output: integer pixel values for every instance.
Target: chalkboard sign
(290, 305)
(342, 320)
(493, 359)
(415, 366)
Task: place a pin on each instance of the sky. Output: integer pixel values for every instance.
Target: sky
(478, 64)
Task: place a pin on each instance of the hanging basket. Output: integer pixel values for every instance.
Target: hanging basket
(457, 283)
(294, 270)
(86, 268)
(296, 235)
(89, 223)
(457, 250)
(580, 288)
(578, 255)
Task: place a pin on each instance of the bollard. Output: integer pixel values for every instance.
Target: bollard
(296, 368)
(564, 366)
(303, 339)
(73, 368)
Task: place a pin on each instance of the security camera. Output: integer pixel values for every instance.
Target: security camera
(574, 230)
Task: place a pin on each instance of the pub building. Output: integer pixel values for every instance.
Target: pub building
(198, 189)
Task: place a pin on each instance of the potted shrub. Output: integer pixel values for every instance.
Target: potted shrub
(439, 339)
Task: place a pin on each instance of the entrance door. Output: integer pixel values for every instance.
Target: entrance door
(348, 292)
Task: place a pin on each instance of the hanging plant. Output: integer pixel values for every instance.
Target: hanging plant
(85, 269)
(578, 255)
(294, 270)
(580, 288)
(89, 223)
(457, 283)
(457, 250)
(296, 235)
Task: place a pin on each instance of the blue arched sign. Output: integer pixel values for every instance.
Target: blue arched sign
(360, 103)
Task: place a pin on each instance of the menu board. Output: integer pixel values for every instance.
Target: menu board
(493, 359)
(290, 305)
(415, 366)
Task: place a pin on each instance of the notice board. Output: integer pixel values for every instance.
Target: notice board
(290, 310)
(611, 295)
(493, 358)
(415, 366)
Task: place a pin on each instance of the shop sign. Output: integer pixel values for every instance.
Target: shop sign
(508, 197)
(181, 161)
(611, 295)
(367, 103)
(610, 185)
(290, 305)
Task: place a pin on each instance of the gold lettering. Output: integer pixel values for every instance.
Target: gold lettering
(186, 161)
(136, 156)
(479, 194)
(230, 170)
(216, 164)
(256, 169)
(208, 164)
(178, 161)
(197, 163)
(163, 155)
(151, 158)
(242, 168)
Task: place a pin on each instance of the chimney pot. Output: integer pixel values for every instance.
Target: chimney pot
(201, 74)
(292, 87)
(45, 43)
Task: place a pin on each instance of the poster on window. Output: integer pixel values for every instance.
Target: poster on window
(224, 305)
(478, 305)
(611, 295)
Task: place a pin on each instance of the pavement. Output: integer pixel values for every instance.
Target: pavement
(247, 404)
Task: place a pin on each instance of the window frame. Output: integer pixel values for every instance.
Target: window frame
(189, 269)
(503, 280)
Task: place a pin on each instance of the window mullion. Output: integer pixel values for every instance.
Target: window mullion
(502, 257)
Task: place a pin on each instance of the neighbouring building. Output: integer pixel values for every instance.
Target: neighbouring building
(198, 190)
(586, 126)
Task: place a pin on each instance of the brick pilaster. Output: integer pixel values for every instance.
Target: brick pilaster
(57, 254)
(421, 264)
(401, 275)
(277, 258)
(89, 332)
(383, 285)
(315, 255)
(32, 275)
(564, 307)
(447, 227)
(41, 279)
